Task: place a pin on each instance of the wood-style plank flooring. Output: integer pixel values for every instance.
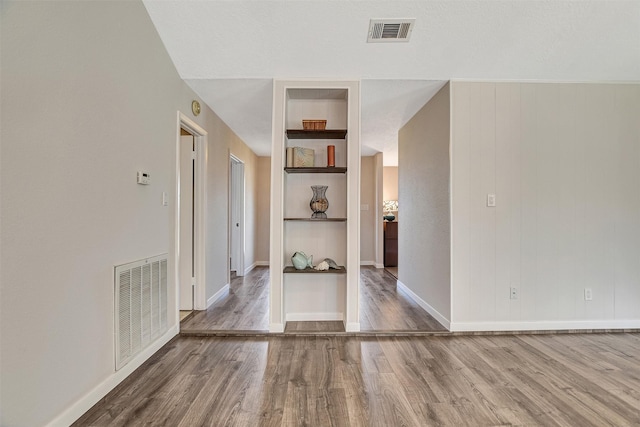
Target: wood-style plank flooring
(246, 307)
(532, 380)
(383, 307)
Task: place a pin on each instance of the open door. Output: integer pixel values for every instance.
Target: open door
(186, 264)
(236, 216)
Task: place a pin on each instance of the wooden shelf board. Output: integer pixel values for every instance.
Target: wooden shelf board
(309, 270)
(316, 170)
(317, 219)
(316, 134)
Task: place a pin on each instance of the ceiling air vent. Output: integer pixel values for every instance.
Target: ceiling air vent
(390, 30)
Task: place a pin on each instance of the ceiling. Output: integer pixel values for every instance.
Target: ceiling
(229, 52)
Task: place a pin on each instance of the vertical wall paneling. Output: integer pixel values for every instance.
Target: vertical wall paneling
(564, 163)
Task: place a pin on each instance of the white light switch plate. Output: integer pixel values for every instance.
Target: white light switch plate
(491, 200)
(364, 207)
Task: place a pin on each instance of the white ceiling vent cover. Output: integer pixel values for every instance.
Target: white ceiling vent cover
(390, 30)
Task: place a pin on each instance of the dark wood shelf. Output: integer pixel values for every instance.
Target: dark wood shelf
(309, 270)
(317, 219)
(316, 170)
(316, 134)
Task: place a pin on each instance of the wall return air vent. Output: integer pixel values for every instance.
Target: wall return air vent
(390, 30)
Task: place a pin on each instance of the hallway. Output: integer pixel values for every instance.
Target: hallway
(245, 308)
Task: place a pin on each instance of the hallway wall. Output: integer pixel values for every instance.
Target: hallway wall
(423, 190)
(89, 97)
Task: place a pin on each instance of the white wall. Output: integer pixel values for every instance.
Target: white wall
(564, 163)
(89, 97)
(423, 190)
(250, 160)
(368, 217)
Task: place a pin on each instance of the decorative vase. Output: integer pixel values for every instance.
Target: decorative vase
(301, 260)
(319, 203)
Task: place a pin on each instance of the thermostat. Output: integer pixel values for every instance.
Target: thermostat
(144, 178)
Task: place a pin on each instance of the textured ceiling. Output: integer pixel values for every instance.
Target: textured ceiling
(229, 51)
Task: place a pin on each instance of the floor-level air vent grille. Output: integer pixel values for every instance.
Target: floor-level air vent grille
(140, 306)
(390, 30)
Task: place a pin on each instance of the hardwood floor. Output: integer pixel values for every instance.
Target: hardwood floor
(245, 308)
(533, 380)
(383, 307)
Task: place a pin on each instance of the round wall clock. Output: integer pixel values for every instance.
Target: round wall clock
(195, 107)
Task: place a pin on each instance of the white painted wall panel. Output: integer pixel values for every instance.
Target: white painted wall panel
(564, 162)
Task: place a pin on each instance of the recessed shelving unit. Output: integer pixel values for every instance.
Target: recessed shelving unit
(309, 294)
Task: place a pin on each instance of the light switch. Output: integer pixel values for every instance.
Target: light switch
(165, 199)
(364, 207)
(491, 200)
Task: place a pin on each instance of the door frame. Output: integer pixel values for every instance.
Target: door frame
(200, 139)
(236, 194)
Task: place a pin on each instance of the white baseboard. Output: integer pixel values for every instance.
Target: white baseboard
(379, 265)
(352, 327)
(544, 325)
(222, 292)
(367, 263)
(248, 269)
(313, 317)
(82, 405)
(422, 303)
(276, 327)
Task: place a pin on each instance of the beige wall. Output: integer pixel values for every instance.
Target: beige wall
(263, 210)
(368, 217)
(89, 97)
(424, 236)
(564, 163)
(390, 183)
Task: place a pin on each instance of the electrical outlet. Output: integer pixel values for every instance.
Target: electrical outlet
(514, 292)
(588, 294)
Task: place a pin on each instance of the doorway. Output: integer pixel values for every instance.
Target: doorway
(190, 231)
(236, 216)
(186, 265)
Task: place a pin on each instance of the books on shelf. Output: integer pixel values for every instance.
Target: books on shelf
(300, 157)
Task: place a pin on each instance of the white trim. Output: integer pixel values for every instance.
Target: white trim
(372, 263)
(352, 327)
(422, 303)
(276, 328)
(237, 200)
(254, 265)
(314, 317)
(221, 293)
(527, 81)
(200, 224)
(379, 265)
(82, 405)
(251, 267)
(546, 325)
